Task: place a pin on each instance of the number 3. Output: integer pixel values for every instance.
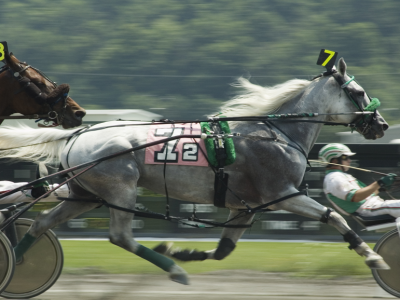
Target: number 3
(2, 54)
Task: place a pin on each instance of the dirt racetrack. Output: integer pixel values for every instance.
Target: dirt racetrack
(217, 285)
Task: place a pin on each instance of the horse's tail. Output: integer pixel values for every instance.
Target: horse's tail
(43, 144)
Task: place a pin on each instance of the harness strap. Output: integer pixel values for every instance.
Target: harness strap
(221, 178)
(34, 116)
(325, 217)
(217, 224)
(165, 178)
(3, 68)
(153, 215)
(224, 183)
(344, 86)
(262, 207)
(251, 119)
(297, 147)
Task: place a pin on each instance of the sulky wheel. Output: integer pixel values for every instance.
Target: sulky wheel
(7, 261)
(40, 266)
(388, 247)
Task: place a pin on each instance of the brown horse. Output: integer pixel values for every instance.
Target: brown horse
(26, 90)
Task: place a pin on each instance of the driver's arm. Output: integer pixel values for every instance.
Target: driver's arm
(363, 193)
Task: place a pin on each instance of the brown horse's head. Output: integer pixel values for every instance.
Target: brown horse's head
(28, 91)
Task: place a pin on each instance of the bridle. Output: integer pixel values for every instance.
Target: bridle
(40, 98)
(365, 122)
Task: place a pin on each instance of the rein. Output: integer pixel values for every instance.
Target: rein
(275, 117)
(34, 116)
(360, 169)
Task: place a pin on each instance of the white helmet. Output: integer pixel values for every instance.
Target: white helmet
(333, 151)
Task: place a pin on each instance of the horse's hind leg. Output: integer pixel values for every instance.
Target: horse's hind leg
(305, 206)
(49, 219)
(227, 243)
(121, 235)
(230, 236)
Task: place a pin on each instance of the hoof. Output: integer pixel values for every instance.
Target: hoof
(164, 248)
(177, 274)
(376, 262)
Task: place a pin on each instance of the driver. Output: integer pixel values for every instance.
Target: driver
(350, 194)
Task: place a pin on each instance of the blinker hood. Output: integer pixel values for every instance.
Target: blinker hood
(40, 97)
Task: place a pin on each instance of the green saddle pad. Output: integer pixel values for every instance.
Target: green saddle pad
(210, 146)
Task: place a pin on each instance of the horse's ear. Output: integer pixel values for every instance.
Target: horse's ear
(11, 61)
(7, 58)
(342, 67)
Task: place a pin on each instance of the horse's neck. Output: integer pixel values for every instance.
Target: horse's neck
(8, 103)
(303, 133)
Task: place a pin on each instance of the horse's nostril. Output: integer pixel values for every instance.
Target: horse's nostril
(80, 113)
(385, 127)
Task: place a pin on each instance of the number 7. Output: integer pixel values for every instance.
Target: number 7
(331, 54)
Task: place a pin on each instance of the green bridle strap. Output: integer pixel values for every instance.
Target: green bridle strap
(374, 102)
(347, 82)
(344, 87)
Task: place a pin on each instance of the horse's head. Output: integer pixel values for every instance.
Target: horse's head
(34, 93)
(371, 126)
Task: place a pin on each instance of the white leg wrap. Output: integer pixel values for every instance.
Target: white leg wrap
(373, 260)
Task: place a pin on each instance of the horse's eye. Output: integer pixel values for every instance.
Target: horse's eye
(361, 94)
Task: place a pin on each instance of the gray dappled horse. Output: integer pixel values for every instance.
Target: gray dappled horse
(264, 170)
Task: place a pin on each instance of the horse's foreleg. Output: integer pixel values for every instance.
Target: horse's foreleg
(373, 260)
(49, 219)
(305, 206)
(226, 245)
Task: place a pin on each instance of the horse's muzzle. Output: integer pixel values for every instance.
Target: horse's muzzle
(376, 127)
(73, 118)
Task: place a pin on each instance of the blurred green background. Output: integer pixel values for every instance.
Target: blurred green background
(178, 58)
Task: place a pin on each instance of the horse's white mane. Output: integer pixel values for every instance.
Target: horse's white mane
(46, 146)
(256, 100)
